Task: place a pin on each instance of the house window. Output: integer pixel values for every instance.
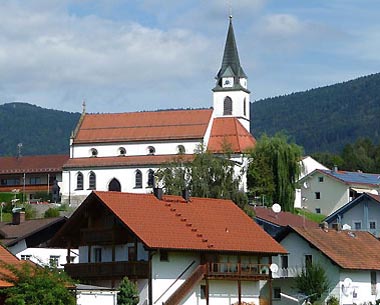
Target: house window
(132, 253)
(227, 106)
(320, 179)
(372, 225)
(151, 150)
(317, 195)
(94, 152)
(138, 179)
(97, 255)
(203, 292)
(150, 178)
(92, 179)
(34, 180)
(308, 260)
(79, 181)
(122, 151)
(26, 257)
(164, 256)
(373, 282)
(284, 261)
(318, 210)
(54, 260)
(181, 149)
(277, 293)
(357, 225)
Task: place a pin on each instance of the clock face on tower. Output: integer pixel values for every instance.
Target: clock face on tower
(228, 82)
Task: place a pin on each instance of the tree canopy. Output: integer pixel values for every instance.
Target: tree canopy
(208, 175)
(128, 293)
(274, 169)
(35, 285)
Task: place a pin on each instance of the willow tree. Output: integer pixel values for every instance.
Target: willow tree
(207, 175)
(274, 169)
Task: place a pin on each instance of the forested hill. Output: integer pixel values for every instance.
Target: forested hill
(323, 119)
(41, 131)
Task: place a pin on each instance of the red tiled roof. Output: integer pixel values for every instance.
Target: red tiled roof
(124, 161)
(283, 218)
(32, 164)
(143, 126)
(376, 197)
(348, 249)
(8, 258)
(172, 223)
(229, 133)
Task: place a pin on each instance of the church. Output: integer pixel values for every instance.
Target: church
(122, 151)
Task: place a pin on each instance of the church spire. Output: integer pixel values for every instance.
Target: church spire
(231, 63)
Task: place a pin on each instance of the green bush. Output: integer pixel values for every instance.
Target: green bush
(51, 212)
(333, 300)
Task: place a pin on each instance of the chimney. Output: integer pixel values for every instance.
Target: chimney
(157, 191)
(18, 217)
(186, 195)
(335, 168)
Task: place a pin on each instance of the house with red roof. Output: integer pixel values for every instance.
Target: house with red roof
(325, 191)
(275, 222)
(30, 175)
(360, 214)
(177, 250)
(351, 260)
(122, 151)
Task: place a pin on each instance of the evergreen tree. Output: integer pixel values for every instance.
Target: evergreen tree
(128, 293)
(274, 169)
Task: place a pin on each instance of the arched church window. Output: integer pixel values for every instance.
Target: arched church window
(150, 178)
(138, 179)
(94, 152)
(79, 181)
(245, 107)
(114, 185)
(227, 106)
(92, 181)
(151, 150)
(122, 151)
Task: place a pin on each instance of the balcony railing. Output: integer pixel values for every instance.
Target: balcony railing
(102, 236)
(288, 272)
(238, 271)
(108, 270)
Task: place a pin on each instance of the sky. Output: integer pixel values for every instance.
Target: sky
(136, 55)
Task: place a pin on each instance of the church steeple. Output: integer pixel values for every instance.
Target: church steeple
(231, 94)
(231, 62)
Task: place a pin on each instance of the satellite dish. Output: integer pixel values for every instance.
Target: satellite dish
(273, 267)
(276, 208)
(15, 210)
(306, 184)
(346, 286)
(346, 227)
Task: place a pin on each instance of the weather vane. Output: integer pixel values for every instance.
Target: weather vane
(229, 5)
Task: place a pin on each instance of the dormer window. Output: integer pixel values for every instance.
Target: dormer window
(94, 152)
(181, 149)
(122, 151)
(151, 150)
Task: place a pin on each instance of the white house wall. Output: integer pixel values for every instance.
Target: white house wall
(95, 297)
(42, 256)
(134, 149)
(333, 194)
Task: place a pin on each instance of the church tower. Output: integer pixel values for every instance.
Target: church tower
(231, 95)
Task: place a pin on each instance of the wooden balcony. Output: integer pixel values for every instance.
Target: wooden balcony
(109, 270)
(238, 271)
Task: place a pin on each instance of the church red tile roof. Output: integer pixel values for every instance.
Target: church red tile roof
(32, 164)
(124, 161)
(229, 133)
(143, 126)
(348, 249)
(172, 223)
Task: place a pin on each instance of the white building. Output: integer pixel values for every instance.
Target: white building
(351, 260)
(121, 152)
(325, 191)
(178, 251)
